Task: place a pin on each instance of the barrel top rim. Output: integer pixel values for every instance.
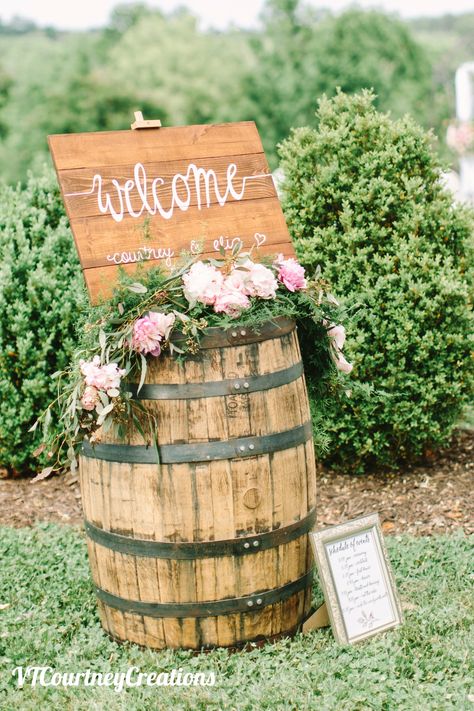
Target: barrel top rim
(215, 336)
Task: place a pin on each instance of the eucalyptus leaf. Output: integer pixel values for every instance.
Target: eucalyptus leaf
(180, 316)
(39, 450)
(175, 349)
(34, 426)
(43, 474)
(47, 418)
(104, 413)
(139, 427)
(137, 288)
(143, 372)
(102, 340)
(104, 398)
(107, 424)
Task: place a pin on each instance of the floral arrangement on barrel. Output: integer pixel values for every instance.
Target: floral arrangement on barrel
(167, 313)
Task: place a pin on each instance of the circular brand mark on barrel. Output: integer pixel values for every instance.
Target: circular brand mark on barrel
(252, 498)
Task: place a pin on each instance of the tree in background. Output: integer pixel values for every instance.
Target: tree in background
(363, 200)
(301, 55)
(281, 83)
(193, 75)
(5, 87)
(371, 50)
(169, 67)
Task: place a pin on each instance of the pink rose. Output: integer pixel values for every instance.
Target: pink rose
(102, 377)
(231, 302)
(260, 281)
(150, 330)
(90, 398)
(202, 283)
(291, 274)
(338, 336)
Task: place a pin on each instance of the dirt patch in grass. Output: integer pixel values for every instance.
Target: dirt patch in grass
(436, 497)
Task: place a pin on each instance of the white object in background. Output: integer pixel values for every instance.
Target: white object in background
(464, 84)
(450, 180)
(466, 166)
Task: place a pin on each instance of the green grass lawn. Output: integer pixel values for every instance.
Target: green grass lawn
(426, 664)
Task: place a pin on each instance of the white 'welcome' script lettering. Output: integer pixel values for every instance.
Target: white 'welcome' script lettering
(201, 183)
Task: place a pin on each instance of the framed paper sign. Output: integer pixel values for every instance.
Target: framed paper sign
(356, 579)
(145, 196)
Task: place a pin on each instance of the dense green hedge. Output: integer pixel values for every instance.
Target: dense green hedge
(364, 200)
(40, 291)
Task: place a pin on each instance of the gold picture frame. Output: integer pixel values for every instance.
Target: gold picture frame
(357, 579)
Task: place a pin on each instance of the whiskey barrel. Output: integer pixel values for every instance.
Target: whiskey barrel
(209, 547)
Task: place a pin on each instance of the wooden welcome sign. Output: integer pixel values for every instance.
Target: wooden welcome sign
(144, 196)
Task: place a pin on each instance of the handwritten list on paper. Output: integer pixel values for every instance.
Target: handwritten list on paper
(360, 582)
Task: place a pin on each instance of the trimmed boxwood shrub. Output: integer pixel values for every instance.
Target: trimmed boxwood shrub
(40, 292)
(363, 199)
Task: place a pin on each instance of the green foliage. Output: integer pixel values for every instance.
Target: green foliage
(172, 69)
(51, 619)
(59, 87)
(363, 199)
(363, 50)
(193, 75)
(40, 289)
(301, 56)
(280, 84)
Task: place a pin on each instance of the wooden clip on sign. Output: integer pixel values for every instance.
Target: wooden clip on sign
(144, 196)
(141, 123)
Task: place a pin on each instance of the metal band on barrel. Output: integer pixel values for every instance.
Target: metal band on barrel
(231, 386)
(240, 335)
(187, 550)
(199, 451)
(229, 606)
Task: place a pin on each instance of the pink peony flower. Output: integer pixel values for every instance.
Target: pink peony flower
(237, 280)
(338, 334)
(90, 398)
(231, 302)
(259, 281)
(202, 283)
(102, 377)
(290, 273)
(150, 330)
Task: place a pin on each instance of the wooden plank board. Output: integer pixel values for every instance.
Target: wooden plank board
(81, 202)
(82, 150)
(146, 196)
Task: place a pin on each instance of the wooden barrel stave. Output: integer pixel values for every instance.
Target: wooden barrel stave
(173, 502)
